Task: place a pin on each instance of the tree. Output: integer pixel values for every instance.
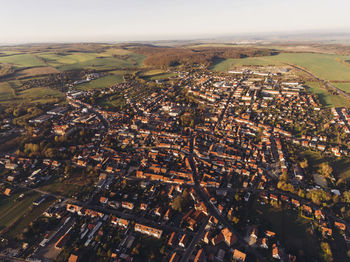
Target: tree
(346, 196)
(325, 170)
(304, 163)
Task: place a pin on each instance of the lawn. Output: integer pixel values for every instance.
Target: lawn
(327, 99)
(22, 60)
(326, 66)
(103, 82)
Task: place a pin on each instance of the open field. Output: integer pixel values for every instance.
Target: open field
(109, 59)
(103, 82)
(60, 188)
(36, 71)
(343, 86)
(326, 66)
(6, 91)
(22, 60)
(31, 215)
(29, 96)
(11, 209)
(327, 99)
(156, 74)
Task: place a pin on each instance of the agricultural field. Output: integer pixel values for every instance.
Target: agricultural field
(6, 91)
(22, 60)
(29, 96)
(111, 59)
(103, 82)
(343, 86)
(156, 74)
(325, 66)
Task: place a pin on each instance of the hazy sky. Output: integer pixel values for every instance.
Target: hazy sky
(109, 20)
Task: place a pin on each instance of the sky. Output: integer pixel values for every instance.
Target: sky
(25, 21)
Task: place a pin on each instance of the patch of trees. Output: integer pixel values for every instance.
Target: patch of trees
(164, 57)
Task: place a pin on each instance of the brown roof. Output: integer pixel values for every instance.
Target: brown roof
(73, 258)
(238, 255)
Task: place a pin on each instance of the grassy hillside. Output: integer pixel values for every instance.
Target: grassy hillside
(22, 60)
(6, 91)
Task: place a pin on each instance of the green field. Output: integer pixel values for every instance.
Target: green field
(90, 60)
(11, 209)
(31, 215)
(343, 86)
(327, 99)
(226, 64)
(103, 82)
(22, 60)
(6, 91)
(29, 96)
(326, 66)
(157, 74)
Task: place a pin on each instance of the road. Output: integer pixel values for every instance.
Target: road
(196, 238)
(214, 211)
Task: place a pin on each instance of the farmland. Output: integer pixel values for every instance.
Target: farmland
(103, 82)
(325, 66)
(22, 60)
(99, 61)
(156, 74)
(6, 91)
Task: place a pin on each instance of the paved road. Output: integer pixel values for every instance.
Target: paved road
(215, 212)
(196, 238)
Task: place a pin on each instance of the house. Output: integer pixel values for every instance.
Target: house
(263, 243)
(239, 256)
(183, 241)
(174, 257)
(171, 239)
(270, 233)
(103, 200)
(200, 256)
(230, 238)
(7, 192)
(219, 238)
(275, 252)
(319, 215)
(73, 258)
(340, 226)
(128, 205)
(326, 231)
(157, 233)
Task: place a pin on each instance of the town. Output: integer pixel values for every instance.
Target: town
(200, 166)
